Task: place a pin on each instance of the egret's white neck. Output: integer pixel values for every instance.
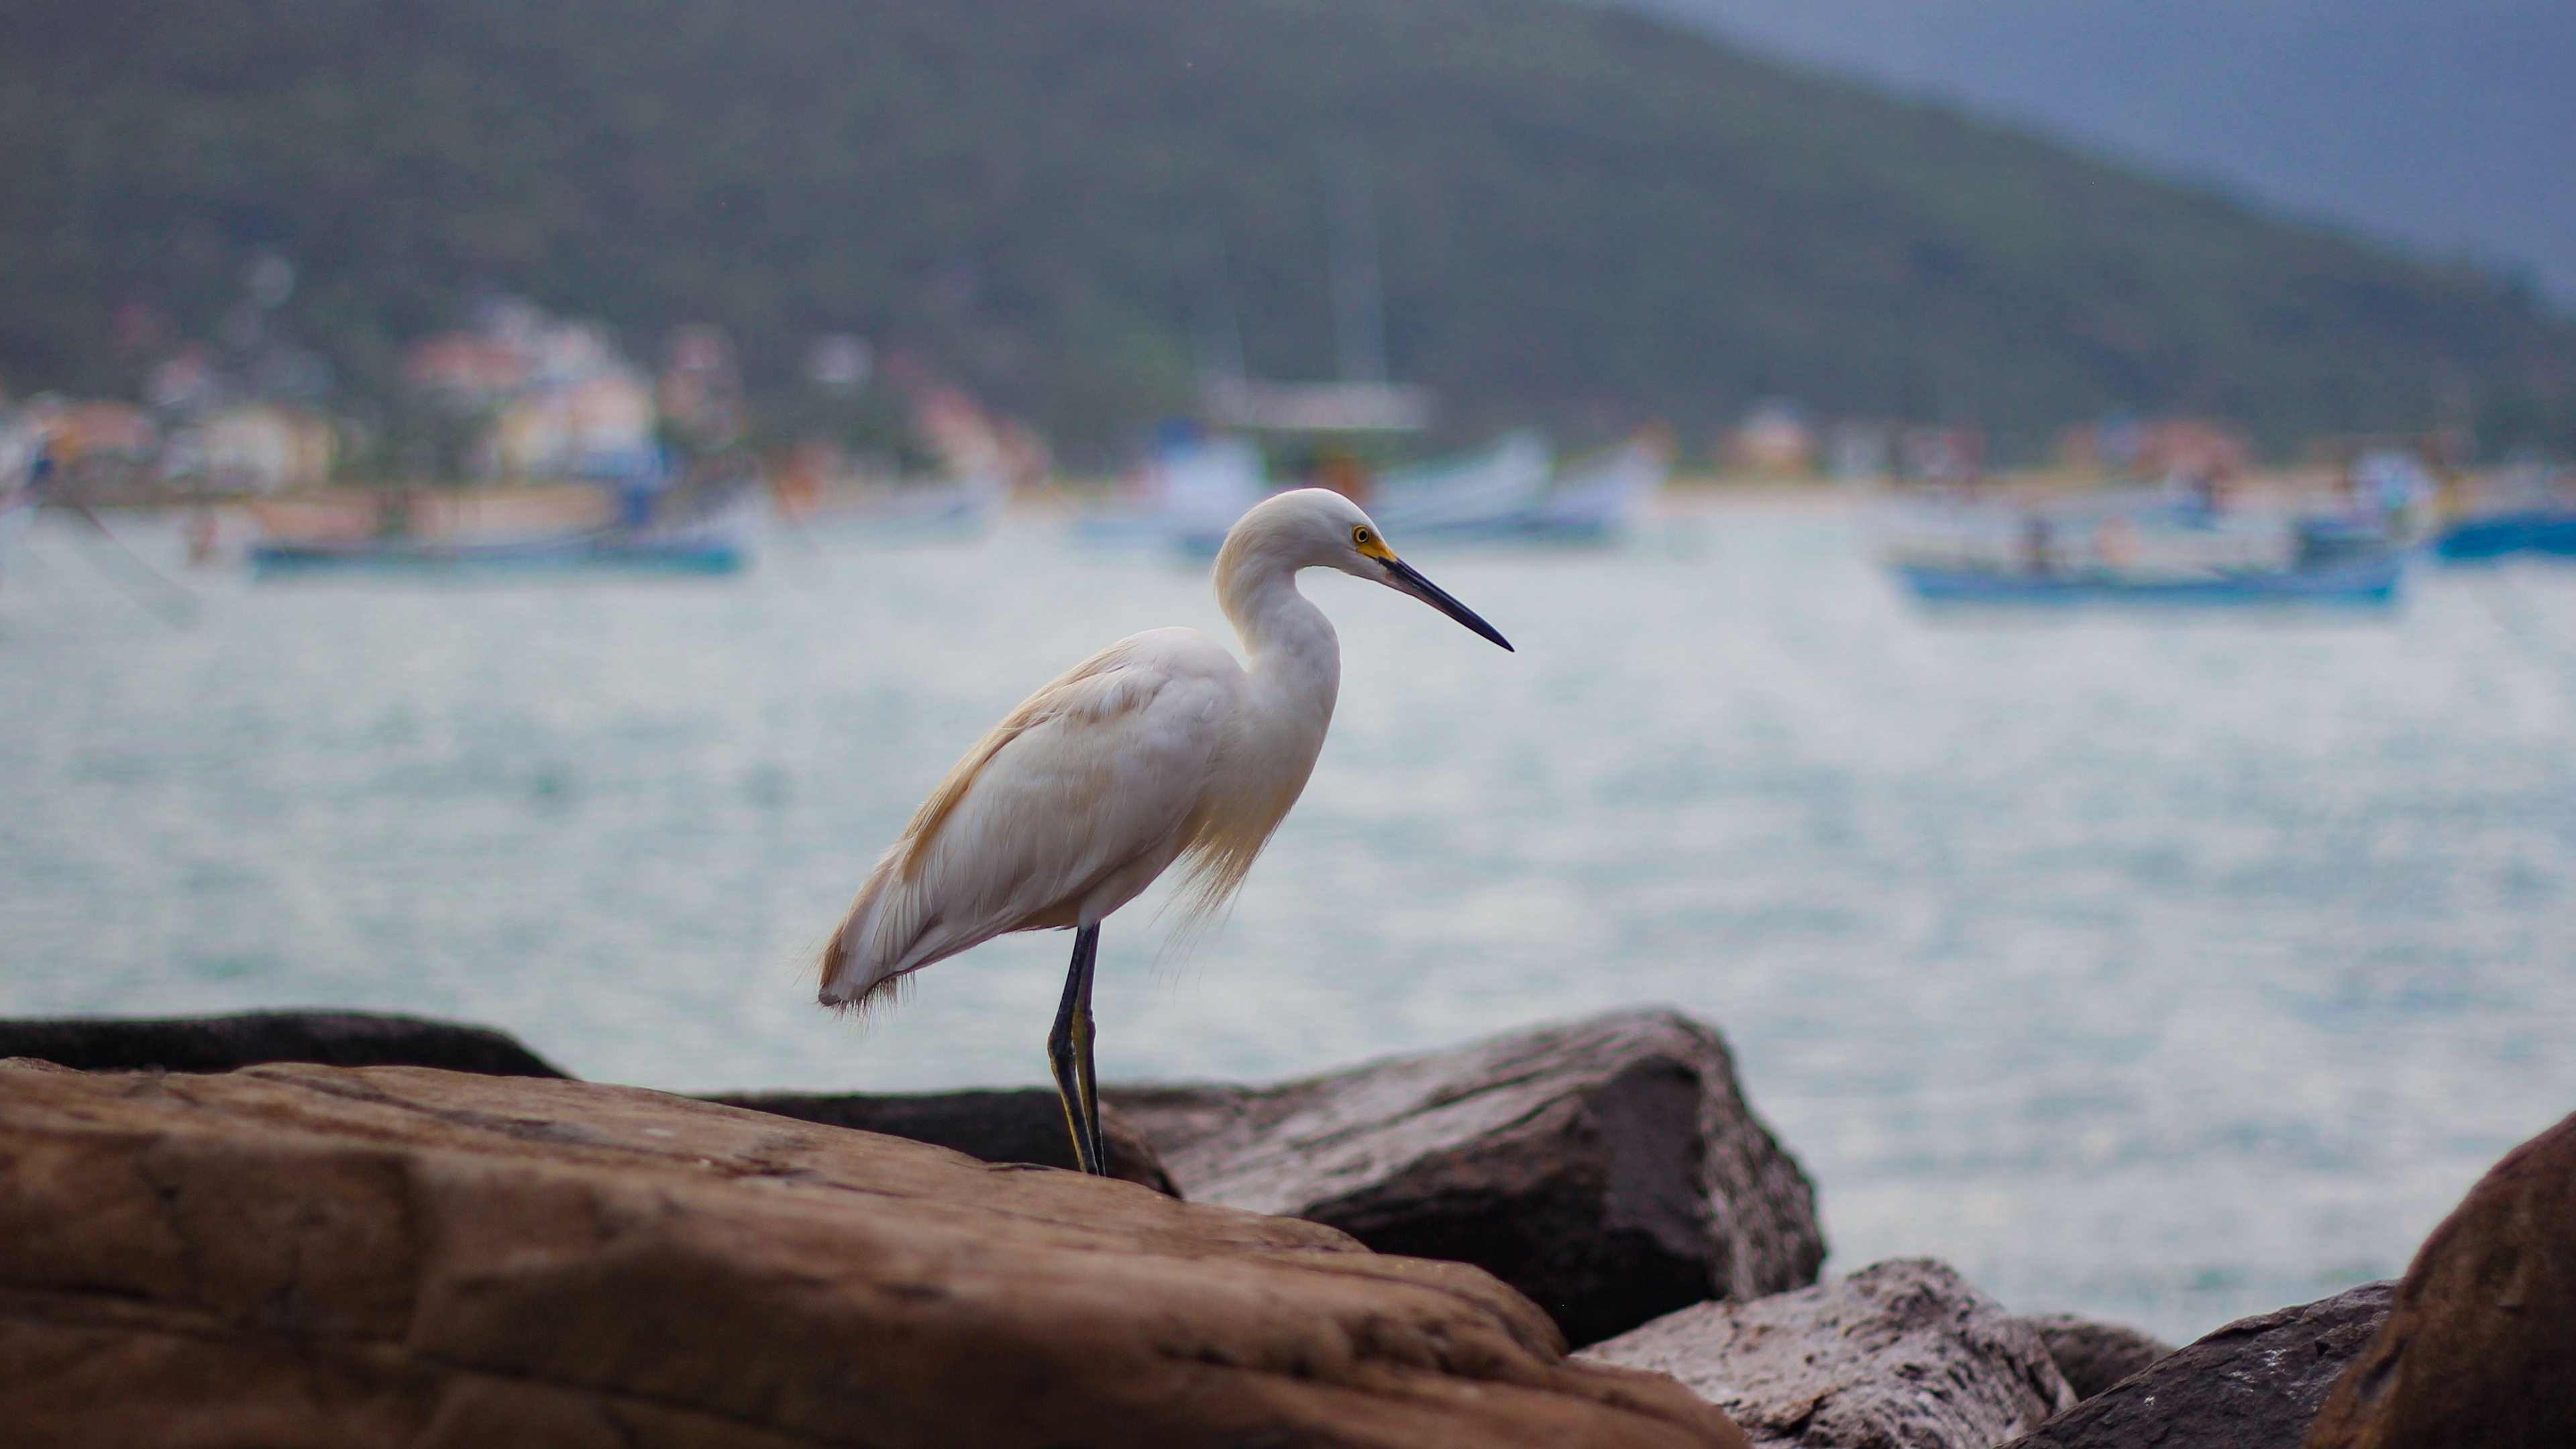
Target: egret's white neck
(1296, 657)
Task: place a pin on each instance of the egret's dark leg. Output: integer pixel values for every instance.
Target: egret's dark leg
(1082, 1062)
(1069, 1053)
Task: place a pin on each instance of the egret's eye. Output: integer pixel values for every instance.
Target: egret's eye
(1360, 536)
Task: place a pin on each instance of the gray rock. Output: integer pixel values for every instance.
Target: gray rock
(2254, 1384)
(1609, 1168)
(1009, 1126)
(2094, 1356)
(1903, 1354)
(251, 1038)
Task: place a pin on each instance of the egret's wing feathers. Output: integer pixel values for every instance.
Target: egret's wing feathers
(1094, 780)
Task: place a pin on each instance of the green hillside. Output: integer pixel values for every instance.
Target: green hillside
(1587, 217)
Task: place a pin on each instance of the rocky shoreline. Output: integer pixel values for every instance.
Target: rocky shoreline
(339, 1229)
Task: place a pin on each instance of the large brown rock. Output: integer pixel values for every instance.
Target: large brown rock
(2480, 1344)
(1608, 1168)
(1025, 1125)
(1903, 1354)
(251, 1038)
(2092, 1355)
(295, 1256)
(1002, 1126)
(2253, 1384)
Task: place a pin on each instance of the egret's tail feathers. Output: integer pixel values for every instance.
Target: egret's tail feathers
(847, 986)
(856, 975)
(890, 932)
(867, 1002)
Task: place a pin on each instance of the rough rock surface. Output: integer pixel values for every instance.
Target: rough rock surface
(296, 1255)
(223, 1043)
(2253, 1384)
(2480, 1343)
(1021, 1126)
(1903, 1354)
(2094, 1356)
(1608, 1168)
(1011, 1126)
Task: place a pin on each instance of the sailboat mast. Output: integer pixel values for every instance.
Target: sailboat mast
(1359, 325)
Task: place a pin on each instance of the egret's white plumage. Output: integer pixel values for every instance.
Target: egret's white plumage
(1159, 749)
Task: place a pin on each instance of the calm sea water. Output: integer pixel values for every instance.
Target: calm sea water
(2160, 969)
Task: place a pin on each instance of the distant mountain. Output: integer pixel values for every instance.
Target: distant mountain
(2448, 124)
(1587, 217)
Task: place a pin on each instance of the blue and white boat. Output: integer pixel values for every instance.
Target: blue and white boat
(2365, 582)
(2137, 549)
(684, 533)
(2549, 531)
(2528, 509)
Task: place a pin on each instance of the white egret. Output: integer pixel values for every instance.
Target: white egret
(1160, 748)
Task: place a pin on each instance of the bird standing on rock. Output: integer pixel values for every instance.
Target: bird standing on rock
(1160, 748)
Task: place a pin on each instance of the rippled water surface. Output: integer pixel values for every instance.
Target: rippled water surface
(2163, 969)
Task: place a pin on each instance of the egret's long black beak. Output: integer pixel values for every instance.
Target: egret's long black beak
(1405, 578)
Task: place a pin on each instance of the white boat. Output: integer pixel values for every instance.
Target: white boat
(1491, 490)
(1505, 493)
(897, 513)
(1186, 498)
(1606, 495)
(17, 511)
(19, 448)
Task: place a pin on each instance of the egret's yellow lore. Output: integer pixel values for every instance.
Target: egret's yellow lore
(1158, 749)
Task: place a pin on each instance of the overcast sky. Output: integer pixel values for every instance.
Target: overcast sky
(2448, 124)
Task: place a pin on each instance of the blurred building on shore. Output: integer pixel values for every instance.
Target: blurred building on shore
(1774, 439)
(547, 397)
(2144, 447)
(253, 448)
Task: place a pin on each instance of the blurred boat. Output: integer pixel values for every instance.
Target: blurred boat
(1605, 496)
(702, 530)
(1493, 490)
(896, 513)
(2137, 549)
(1187, 497)
(2549, 531)
(17, 511)
(21, 455)
(1509, 492)
(455, 517)
(2528, 508)
(2365, 582)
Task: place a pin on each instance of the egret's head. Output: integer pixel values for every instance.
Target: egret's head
(1318, 528)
